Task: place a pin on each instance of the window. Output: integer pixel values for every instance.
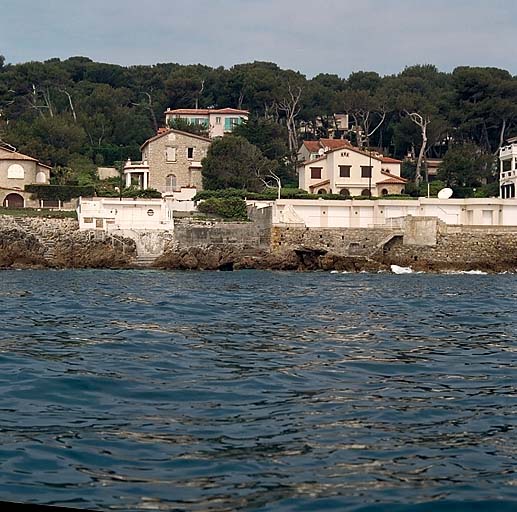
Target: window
(190, 153)
(170, 154)
(322, 191)
(365, 192)
(230, 123)
(384, 191)
(315, 173)
(170, 183)
(344, 192)
(344, 171)
(366, 171)
(217, 120)
(16, 172)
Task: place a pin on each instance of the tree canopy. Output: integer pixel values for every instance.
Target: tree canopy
(60, 110)
(233, 162)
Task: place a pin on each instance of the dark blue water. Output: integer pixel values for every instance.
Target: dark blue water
(148, 390)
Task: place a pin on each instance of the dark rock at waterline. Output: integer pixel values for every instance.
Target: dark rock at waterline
(19, 249)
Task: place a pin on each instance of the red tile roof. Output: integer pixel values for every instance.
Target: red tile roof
(14, 155)
(389, 160)
(319, 184)
(391, 179)
(314, 146)
(206, 111)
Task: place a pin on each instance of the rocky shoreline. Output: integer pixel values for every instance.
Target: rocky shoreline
(20, 250)
(51, 243)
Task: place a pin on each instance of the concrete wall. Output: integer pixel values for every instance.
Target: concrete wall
(386, 212)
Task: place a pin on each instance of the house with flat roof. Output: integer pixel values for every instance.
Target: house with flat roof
(216, 121)
(16, 171)
(334, 166)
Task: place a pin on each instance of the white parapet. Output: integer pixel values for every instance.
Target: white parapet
(389, 212)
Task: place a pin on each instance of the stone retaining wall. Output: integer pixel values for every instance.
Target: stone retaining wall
(459, 249)
(341, 241)
(221, 234)
(40, 225)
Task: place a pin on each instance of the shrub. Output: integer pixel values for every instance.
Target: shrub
(228, 208)
(59, 192)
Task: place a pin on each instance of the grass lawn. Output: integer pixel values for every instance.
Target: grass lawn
(38, 212)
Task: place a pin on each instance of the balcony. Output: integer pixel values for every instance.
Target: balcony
(141, 165)
(506, 152)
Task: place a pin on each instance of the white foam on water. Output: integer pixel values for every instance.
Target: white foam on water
(396, 269)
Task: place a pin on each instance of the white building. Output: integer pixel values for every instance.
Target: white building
(507, 169)
(217, 121)
(114, 214)
(335, 166)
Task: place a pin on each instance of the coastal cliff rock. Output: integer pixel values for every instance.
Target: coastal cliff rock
(20, 250)
(61, 248)
(239, 258)
(79, 251)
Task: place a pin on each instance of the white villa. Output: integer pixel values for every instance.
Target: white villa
(335, 166)
(218, 121)
(508, 169)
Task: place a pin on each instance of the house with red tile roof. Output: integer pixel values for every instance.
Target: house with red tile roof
(334, 166)
(216, 121)
(16, 171)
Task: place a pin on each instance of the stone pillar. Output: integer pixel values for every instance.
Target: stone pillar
(145, 180)
(128, 179)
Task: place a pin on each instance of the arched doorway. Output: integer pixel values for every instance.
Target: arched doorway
(344, 192)
(14, 201)
(366, 192)
(322, 191)
(384, 192)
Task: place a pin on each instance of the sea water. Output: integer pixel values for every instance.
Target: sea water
(268, 391)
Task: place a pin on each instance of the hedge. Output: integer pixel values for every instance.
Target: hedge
(228, 208)
(59, 192)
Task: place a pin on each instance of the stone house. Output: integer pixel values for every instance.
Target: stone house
(16, 171)
(217, 121)
(171, 161)
(335, 166)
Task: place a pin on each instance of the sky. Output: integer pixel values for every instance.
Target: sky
(316, 36)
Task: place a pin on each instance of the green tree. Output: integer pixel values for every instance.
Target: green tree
(466, 165)
(184, 125)
(233, 162)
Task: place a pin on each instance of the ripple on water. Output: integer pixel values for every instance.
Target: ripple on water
(215, 391)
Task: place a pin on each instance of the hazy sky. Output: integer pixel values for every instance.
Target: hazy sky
(317, 36)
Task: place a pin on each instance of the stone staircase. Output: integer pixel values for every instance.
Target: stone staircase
(144, 260)
(45, 239)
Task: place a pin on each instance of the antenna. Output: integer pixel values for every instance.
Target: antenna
(445, 193)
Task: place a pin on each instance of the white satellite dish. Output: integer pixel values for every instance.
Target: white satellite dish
(321, 151)
(445, 193)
